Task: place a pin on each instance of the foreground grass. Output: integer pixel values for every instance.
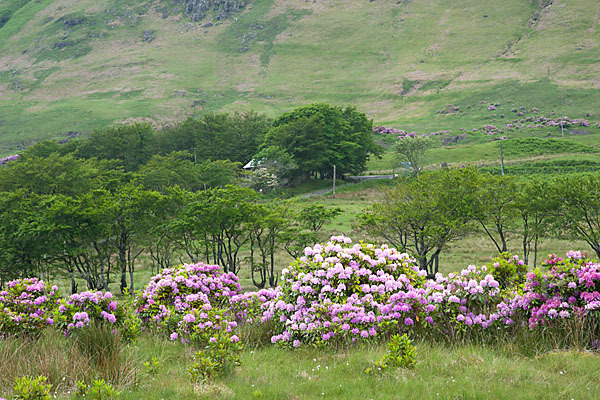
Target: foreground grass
(442, 372)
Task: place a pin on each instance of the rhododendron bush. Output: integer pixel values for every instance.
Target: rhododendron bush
(82, 309)
(344, 292)
(567, 294)
(337, 293)
(190, 303)
(26, 306)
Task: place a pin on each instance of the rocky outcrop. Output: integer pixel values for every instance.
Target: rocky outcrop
(197, 9)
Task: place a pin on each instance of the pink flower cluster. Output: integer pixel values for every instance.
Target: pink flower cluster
(340, 291)
(569, 289)
(348, 293)
(82, 309)
(26, 306)
(6, 160)
(189, 301)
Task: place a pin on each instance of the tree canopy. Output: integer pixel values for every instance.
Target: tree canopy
(319, 136)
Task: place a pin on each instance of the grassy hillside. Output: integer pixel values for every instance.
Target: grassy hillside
(69, 65)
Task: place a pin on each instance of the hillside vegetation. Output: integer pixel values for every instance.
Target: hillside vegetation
(70, 65)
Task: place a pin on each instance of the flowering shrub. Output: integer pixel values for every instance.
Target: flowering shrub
(82, 309)
(341, 291)
(190, 302)
(26, 307)
(461, 303)
(568, 290)
(253, 307)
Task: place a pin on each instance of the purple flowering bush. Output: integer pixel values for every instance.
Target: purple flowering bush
(339, 292)
(567, 292)
(95, 307)
(462, 304)
(190, 302)
(26, 307)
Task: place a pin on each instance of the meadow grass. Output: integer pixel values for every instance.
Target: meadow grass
(407, 61)
(445, 371)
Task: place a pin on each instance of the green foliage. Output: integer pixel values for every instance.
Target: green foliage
(98, 390)
(412, 149)
(130, 145)
(424, 214)
(179, 169)
(58, 174)
(274, 167)
(508, 270)
(401, 353)
(494, 207)
(536, 203)
(218, 358)
(234, 137)
(319, 136)
(314, 216)
(537, 146)
(152, 367)
(579, 208)
(29, 388)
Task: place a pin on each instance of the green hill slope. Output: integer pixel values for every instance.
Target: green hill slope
(69, 65)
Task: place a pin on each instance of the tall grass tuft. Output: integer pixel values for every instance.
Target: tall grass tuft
(94, 353)
(106, 353)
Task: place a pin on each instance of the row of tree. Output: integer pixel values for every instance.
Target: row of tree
(101, 233)
(306, 142)
(425, 213)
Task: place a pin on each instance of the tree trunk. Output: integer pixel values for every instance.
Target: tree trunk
(123, 263)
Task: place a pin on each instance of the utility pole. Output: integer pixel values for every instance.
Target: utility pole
(334, 181)
(501, 158)
(194, 155)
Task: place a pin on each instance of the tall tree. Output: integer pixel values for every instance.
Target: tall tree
(128, 212)
(579, 210)
(319, 136)
(412, 150)
(130, 145)
(216, 136)
(423, 215)
(536, 203)
(495, 207)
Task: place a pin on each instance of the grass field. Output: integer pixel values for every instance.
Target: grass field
(456, 371)
(76, 66)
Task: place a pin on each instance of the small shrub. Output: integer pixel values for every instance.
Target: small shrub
(401, 354)
(218, 358)
(181, 295)
(508, 270)
(151, 367)
(82, 309)
(98, 390)
(26, 307)
(28, 388)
